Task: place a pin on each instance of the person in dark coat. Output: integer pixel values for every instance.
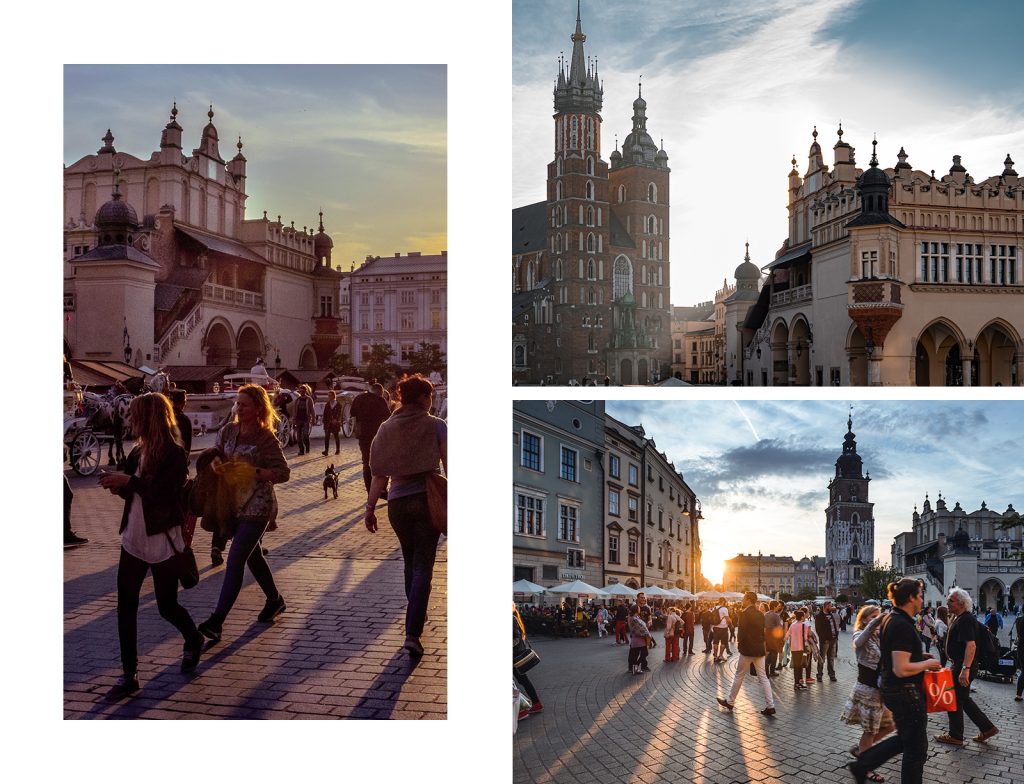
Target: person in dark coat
(151, 533)
(369, 409)
(826, 626)
(751, 645)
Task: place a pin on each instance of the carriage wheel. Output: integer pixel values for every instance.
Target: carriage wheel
(85, 453)
(348, 424)
(284, 430)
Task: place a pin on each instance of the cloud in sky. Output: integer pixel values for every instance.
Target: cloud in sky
(770, 493)
(734, 89)
(366, 143)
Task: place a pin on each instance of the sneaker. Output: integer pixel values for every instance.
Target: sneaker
(412, 644)
(126, 686)
(73, 539)
(324, 453)
(211, 628)
(984, 736)
(537, 708)
(190, 658)
(948, 739)
(523, 713)
(768, 712)
(809, 680)
(833, 678)
(272, 609)
(216, 557)
(725, 704)
(1018, 698)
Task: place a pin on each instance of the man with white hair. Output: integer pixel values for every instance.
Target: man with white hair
(962, 649)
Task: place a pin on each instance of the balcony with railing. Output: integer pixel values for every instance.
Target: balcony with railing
(792, 296)
(243, 298)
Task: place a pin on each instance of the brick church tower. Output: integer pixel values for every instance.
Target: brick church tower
(590, 263)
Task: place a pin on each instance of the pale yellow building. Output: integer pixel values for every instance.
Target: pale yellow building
(892, 277)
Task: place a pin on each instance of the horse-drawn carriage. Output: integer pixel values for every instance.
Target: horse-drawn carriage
(90, 421)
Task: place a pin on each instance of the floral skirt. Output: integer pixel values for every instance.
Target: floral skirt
(866, 709)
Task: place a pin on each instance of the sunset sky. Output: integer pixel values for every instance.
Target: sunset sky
(735, 87)
(367, 143)
(761, 469)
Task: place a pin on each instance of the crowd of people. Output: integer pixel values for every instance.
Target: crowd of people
(233, 495)
(893, 646)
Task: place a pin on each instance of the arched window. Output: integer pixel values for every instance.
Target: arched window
(590, 166)
(622, 193)
(590, 190)
(590, 216)
(622, 277)
(558, 269)
(590, 270)
(590, 243)
(519, 357)
(652, 192)
(531, 276)
(591, 300)
(590, 342)
(558, 190)
(574, 133)
(651, 225)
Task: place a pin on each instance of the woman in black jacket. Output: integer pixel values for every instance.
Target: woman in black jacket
(151, 533)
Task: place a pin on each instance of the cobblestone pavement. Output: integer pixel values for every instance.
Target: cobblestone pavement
(601, 724)
(334, 653)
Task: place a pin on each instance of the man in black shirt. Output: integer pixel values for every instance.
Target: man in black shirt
(826, 625)
(962, 650)
(178, 399)
(902, 665)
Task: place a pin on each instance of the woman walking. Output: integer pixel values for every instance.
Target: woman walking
(902, 663)
(865, 707)
(332, 422)
(520, 644)
(408, 446)
(151, 534)
(252, 464)
(800, 635)
(639, 640)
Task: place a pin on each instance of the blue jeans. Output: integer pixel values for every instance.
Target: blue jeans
(911, 719)
(410, 519)
(245, 549)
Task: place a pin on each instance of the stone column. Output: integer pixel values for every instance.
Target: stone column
(966, 365)
(791, 363)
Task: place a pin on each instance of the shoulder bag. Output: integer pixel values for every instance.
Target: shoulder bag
(437, 501)
(184, 563)
(524, 657)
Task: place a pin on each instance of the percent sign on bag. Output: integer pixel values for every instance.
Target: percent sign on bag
(939, 693)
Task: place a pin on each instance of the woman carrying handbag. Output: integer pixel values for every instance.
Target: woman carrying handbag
(151, 533)
(409, 446)
(524, 658)
(252, 464)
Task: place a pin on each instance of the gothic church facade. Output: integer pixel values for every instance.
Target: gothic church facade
(590, 263)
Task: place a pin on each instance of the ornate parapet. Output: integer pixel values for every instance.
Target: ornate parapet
(875, 306)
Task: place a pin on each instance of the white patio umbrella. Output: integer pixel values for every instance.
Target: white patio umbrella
(733, 595)
(762, 598)
(618, 589)
(654, 590)
(710, 595)
(526, 587)
(682, 593)
(578, 589)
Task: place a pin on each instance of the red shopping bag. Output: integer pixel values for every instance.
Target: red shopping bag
(938, 691)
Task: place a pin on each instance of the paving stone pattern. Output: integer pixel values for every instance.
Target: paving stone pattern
(602, 725)
(334, 653)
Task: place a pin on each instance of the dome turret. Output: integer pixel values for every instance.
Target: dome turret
(747, 270)
(116, 220)
(323, 244)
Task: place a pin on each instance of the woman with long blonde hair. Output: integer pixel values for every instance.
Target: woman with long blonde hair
(151, 534)
(252, 464)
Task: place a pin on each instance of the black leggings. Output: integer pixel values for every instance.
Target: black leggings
(131, 571)
(337, 441)
(527, 685)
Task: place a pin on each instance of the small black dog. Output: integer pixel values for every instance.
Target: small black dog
(330, 481)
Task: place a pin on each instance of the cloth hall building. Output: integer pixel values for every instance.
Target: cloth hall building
(590, 263)
(892, 276)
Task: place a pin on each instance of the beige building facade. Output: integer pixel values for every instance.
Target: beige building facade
(892, 277)
(766, 574)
